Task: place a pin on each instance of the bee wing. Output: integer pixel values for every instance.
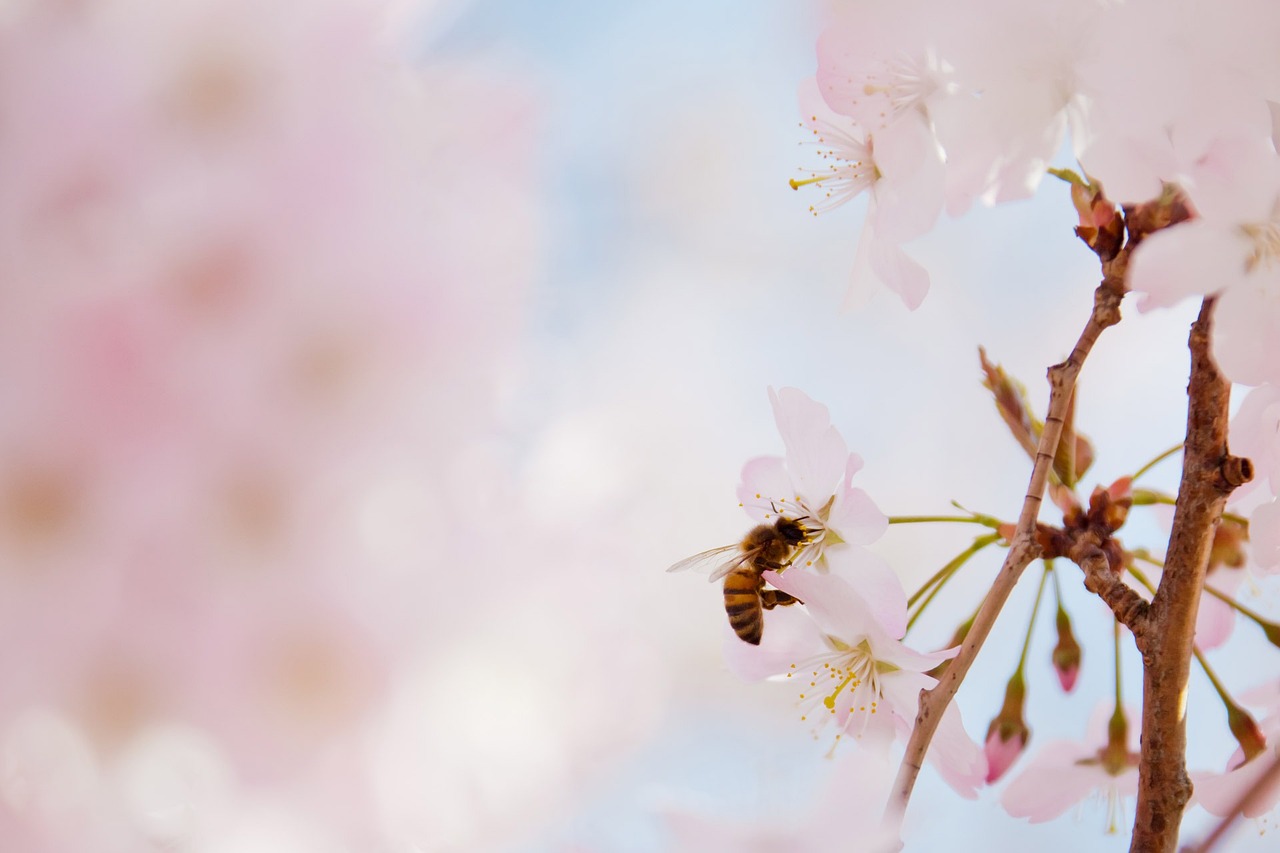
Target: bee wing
(718, 561)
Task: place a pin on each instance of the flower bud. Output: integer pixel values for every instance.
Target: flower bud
(1246, 731)
(1101, 225)
(1228, 545)
(1008, 733)
(1066, 655)
(1109, 508)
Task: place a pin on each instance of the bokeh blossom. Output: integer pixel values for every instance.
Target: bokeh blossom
(1062, 772)
(1258, 747)
(252, 332)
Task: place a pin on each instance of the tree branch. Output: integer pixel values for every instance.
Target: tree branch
(1023, 549)
(1101, 578)
(1209, 474)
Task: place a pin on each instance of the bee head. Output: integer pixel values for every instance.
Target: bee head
(792, 532)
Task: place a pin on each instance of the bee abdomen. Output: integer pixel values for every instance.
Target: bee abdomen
(742, 604)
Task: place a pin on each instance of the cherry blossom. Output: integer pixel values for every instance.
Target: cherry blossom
(900, 167)
(1064, 772)
(1255, 433)
(852, 674)
(1260, 745)
(1231, 249)
(812, 485)
(879, 61)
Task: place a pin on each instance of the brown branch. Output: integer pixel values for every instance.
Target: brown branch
(1101, 578)
(1209, 474)
(1023, 549)
(1268, 778)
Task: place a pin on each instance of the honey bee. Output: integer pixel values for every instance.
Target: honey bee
(765, 548)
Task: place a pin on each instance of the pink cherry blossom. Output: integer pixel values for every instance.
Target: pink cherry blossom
(812, 485)
(900, 166)
(853, 675)
(1264, 536)
(1188, 75)
(878, 61)
(1255, 433)
(1232, 249)
(1219, 792)
(1064, 772)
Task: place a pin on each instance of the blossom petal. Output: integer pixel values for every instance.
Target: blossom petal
(1264, 536)
(876, 584)
(896, 270)
(1219, 792)
(816, 453)
(960, 761)
(1191, 258)
(855, 515)
(910, 191)
(764, 479)
(1246, 328)
(1052, 782)
(841, 609)
(1255, 433)
(790, 635)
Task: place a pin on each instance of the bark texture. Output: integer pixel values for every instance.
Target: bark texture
(1209, 475)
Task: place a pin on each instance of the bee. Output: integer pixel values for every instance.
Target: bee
(765, 548)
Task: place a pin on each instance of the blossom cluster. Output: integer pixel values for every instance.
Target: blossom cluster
(928, 106)
(842, 650)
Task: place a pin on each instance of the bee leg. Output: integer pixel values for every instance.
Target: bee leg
(771, 598)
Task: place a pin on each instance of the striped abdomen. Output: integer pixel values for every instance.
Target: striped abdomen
(742, 603)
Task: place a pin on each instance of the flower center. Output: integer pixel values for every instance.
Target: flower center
(856, 690)
(850, 168)
(1266, 245)
(905, 83)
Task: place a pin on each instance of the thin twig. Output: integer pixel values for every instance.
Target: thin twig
(1023, 549)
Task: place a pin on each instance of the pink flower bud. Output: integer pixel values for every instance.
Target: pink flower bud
(1066, 655)
(1001, 753)
(1008, 734)
(1246, 732)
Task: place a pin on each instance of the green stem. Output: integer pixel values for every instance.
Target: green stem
(1031, 623)
(1118, 726)
(943, 573)
(984, 520)
(1213, 678)
(1154, 462)
(1141, 578)
(1271, 629)
(940, 577)
(1119, 712)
